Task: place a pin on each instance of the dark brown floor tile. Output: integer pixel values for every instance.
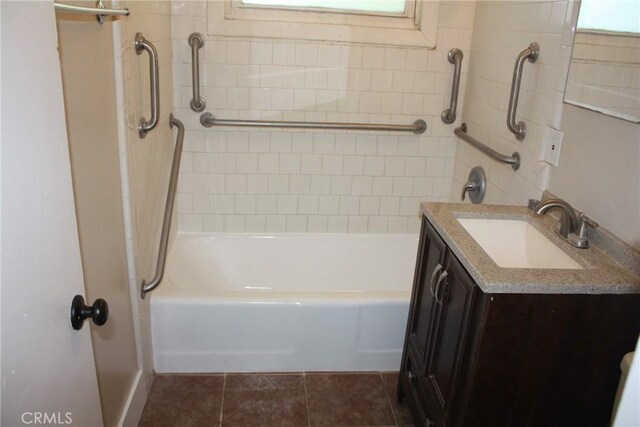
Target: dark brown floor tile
(184, 401)
(264, 400)
(400, 410)
(347, 399)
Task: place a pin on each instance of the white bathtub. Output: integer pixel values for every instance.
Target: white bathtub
(283, 302)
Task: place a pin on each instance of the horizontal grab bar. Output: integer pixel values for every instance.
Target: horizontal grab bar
(513, 160)
(168, 210)
(101, 12)
(208, 120)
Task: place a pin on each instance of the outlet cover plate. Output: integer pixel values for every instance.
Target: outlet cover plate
(554, 145)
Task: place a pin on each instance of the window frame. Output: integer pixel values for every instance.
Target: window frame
(417, 28)
(409, 9)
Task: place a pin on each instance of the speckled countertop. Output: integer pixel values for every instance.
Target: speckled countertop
(610, 266)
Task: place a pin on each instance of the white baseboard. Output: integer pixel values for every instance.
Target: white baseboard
(135, 402)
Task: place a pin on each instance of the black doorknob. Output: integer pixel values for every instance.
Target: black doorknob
(98, 312)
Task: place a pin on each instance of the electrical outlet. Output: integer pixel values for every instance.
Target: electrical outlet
(554, 144)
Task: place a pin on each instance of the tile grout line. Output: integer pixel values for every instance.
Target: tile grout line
(306, 397)
(384, 387)
(224, 389)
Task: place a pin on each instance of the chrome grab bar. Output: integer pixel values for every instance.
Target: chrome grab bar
(143, 44)
(513, 160)
(208, 120)
(196, 41)
(531, 53)
(455, 57)
(100, 11)
(168, 210)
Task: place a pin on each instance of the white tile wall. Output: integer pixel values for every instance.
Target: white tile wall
(605, 73)
(269, 181)
(502, 29)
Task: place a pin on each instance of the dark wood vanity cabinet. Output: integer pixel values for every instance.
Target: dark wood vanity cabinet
(476, 359)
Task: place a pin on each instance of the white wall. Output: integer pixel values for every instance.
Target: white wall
(502, 29)
(86, 56)
(238, 180)
(145, 162)
(628, 413)
(599, 170)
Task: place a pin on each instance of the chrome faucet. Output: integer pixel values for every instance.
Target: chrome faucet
(573, 228)
(568, 218)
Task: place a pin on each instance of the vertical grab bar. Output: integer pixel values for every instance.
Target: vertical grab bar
(455, 57)
(168, 210)
(143, 44)
(531, 53)
(196, 41)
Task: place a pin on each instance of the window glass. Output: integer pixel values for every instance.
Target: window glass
(610, 15)
(379, 6)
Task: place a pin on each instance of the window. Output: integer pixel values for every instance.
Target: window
(618, 16)
(369, 6)
(383, 22)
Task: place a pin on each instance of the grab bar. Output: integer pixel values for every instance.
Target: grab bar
(455, 57)
(100, 11)
(168, 209)
(531, 53)
(143, 44)
(196, 41)
(208, 120)
(513, 160)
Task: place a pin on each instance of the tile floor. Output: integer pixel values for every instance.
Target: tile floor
(287, 399)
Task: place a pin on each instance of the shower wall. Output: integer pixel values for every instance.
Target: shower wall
(145, 162)
(502, 29)
(239, 180)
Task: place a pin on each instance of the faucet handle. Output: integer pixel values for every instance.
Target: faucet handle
(582, 218)
(476, 185)
(533, 204)
(468, 186)
(580, 238)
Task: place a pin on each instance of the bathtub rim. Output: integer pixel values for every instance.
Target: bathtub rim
(168, 290)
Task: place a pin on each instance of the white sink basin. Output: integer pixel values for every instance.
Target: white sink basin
(517, 244)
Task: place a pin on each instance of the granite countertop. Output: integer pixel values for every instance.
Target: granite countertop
(610, 265)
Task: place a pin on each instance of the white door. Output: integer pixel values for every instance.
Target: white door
(89, 87)
(48, 370)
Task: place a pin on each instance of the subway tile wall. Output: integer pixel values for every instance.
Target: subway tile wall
(605, 73)
(239, 180)
(502, 29)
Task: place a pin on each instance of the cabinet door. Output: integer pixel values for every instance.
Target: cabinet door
(431, 264)
(453, 299)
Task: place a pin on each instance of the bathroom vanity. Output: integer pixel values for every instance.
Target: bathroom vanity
(490, 346)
